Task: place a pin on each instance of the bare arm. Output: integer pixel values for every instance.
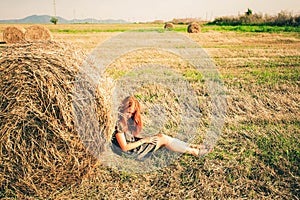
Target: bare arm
(129, 146)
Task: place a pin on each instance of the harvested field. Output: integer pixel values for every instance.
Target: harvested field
(257, 157)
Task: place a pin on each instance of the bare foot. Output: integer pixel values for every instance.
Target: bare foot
(200, 150)
(200, 146)
(203, 152)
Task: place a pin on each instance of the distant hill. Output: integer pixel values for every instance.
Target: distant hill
(45, 19)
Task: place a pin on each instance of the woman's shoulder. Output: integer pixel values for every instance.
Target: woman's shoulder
(119, 127)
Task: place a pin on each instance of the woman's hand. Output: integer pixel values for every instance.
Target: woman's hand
(152, 140)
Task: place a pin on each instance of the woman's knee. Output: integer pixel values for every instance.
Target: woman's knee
(160, 135)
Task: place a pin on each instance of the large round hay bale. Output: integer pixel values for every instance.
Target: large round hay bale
(169, 26)
(194, 28)
(37, 33)
(42, 150)
(13, 34)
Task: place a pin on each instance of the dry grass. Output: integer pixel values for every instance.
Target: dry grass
(257, 156)
(86, 41)
(260, 72)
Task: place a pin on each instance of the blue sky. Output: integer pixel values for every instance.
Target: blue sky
(143, 10)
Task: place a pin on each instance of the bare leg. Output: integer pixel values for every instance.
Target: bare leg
(176, 145)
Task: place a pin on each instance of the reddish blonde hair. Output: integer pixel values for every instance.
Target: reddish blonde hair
(134, 124)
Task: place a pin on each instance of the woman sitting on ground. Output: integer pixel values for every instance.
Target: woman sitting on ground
(127, 136)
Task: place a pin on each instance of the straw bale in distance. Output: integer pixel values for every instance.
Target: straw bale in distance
(169, 26)
(41, 149)
(37, 33)
(194, 28)
(13, 34)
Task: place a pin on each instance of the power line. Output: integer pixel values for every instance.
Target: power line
(54, 7)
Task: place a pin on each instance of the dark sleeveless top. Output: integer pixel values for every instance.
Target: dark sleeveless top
(140, 153)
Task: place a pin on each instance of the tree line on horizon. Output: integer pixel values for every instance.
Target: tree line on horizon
(283, 18)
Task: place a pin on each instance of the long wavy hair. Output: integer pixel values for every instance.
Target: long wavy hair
(133, 124)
